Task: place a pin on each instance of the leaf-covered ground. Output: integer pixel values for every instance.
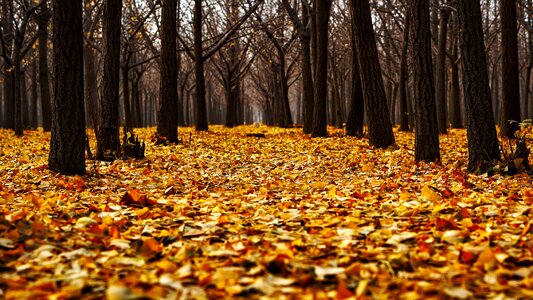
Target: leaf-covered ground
(223, 215)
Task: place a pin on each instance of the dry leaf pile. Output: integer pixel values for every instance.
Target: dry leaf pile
(233, 214)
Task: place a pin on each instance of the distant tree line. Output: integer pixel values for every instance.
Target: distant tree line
(425, 65)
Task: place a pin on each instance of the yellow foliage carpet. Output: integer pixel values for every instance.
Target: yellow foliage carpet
(226, 215)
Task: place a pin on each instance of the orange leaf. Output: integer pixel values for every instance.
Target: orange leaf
(467, 257)
(443, 224)
(486, 260)
(424, 247)
(135, 197)
(342, 291)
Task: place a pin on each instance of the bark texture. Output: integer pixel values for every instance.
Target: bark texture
(426, 131)
(167, 117)
(440, 71)
(44, 81)
(481, 131)
(510, 79)
(379, 126)
(67, 144)
(107, 134)
(320, 122)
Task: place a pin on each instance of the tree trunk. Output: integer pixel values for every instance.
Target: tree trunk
(8, 73)
(200, 105)
(167, 121)
(91, 86)
(44, 82)
(307, 74)
(481, 131)
(2, 98)
(440, 72)
(455, 98)
(510, 76)
(9, 120)
(25, 104)
(426, 129)
(320, 118)
(404, 114)
(528, 94)
(126, 95)
(356, 115)
(379, 127)
(108, 143)
(34, 96)
(17, 90)
(67, 144)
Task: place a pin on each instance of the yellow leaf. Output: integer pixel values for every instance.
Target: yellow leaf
(319, 185)
(141, 212)
(430, 194)
(332, 192)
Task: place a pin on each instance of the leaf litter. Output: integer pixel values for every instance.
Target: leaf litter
(228, 215)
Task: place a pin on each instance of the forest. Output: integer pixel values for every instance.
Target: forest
(266, 149)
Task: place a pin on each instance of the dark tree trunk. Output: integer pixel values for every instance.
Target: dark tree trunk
(356, 116)
(379, 127)
(303, 28)
(2, 106)
(510, 80)
(107, 133)
(91, 87)
(9, 96)
(481, 131)
(426, 131)
(126, 95)
(25, 104)
(440, 72)
(285, 109)
(67, 144)
(44, 82)
(307, 74)
(455, 97)
(200, 105)
(34, 96)
(404, 114)
(17, 105)
(9, 75)
(136, 99)
(320, 118)
(528, 94)
(167, 121)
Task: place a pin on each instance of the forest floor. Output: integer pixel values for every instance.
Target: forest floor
(224, 215)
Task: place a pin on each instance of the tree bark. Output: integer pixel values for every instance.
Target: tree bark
(67, 143)
(455, 97)
(440, 72)
(91, 86)
(167, 121)
(44, 82)
(379, 126)
(25, 104)
(34, 96)
(510, 77)
(356, 116)
(320, 119)
(426, 131)
(404, 114)
(481, 131)
(303, 29)
(200, 105)
(9, 75)
(108, 143)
